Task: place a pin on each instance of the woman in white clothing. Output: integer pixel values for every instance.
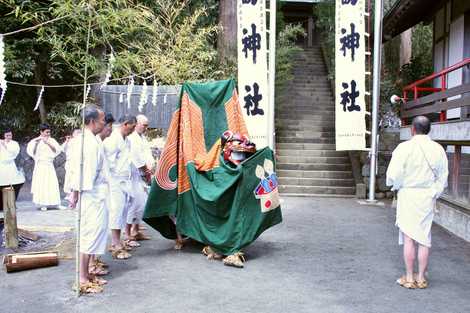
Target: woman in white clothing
(44, 185)
(9, 173)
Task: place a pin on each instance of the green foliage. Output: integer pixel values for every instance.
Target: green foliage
(325, 21)
(285, 49)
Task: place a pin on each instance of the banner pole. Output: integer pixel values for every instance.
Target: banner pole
(378, 9)
(272, 74)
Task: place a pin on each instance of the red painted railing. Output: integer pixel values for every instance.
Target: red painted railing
(414, 87)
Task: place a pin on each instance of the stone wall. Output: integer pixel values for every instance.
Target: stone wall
(388, 141)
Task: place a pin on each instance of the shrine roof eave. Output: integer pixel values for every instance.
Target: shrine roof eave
(407, 13)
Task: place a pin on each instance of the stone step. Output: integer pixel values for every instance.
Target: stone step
(313, 167)
(314, 174)
(305, 140)
(298, 181)
(319, 122)
(305, 146)
(307, 109)
(305, 134)
(311, 153)
(307, 117)
(322, 190)
(296, 127)
(311, 160)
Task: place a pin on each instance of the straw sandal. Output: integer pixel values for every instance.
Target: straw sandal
(100, 263)
(211, 254)
(179, 244)
(406, 284)
(89, 287)
(235, 260)
(141, 236)
(422, 284)
(98, 280)
(98, 271)
(120, 254)
(131, 243)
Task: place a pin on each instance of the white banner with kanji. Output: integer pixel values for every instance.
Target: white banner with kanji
(350, 75)
(253, 85)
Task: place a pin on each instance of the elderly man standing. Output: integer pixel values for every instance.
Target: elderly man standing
(143, 162)
(418, 170)
(118, 154)
(44, 185)
(9, 173)
(94, 191)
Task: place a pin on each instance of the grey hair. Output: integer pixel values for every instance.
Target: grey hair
(91, 113)
(422, 125)
(129, 119)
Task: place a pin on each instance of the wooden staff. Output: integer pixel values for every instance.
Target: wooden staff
(9, 206)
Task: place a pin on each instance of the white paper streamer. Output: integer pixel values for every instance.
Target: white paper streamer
(121, 98)
(3, 82)
(165, 98)
(155, 93)
(39, 99)
(130, 87)
(88, 89)
(143, 97)
(110, 68)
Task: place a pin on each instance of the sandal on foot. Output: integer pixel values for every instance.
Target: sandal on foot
(131, 243)
(211, 254)
(179, 244)
(89, 287)
(120, 254)
(98, 271)
(141, 236)
(236, 260)
(98, 281)
(422, 284)
(100, 263)
(406, 284)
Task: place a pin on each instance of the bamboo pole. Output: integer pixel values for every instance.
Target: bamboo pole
(79, 207)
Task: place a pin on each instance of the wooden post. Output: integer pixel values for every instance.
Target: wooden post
(456, 169)
(9, 211)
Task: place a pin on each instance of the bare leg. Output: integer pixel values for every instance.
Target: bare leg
(116, 238)
(84, 263)
(128, 230)
(134, 230)
(423, 256)
(409, 253)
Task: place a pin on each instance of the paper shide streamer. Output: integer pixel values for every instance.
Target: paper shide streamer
(39, 99)
(3, 81)
(130, 87)
(143, 97)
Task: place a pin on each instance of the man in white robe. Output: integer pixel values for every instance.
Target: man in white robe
(418, 171)
(94, 191)
(143, 162)
(117, 150)
(9, 173)
(44, 185)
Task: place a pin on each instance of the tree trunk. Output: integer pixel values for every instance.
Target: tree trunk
(227, 39)
(99, 53)
(40, 78)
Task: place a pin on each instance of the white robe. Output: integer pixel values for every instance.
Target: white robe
(44, 185)
(95, 190)
(9, 173)
(117, 151)
(418, 188)
(141, 155)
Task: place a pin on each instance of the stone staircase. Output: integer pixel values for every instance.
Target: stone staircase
(307, 163)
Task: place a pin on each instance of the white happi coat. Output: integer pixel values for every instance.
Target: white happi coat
(418, 187)
(141, 155)
(94, 191)
(117, 150)
(9, 173)
(44, 185)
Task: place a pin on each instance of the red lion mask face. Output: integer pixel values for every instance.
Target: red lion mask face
(236, 147)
